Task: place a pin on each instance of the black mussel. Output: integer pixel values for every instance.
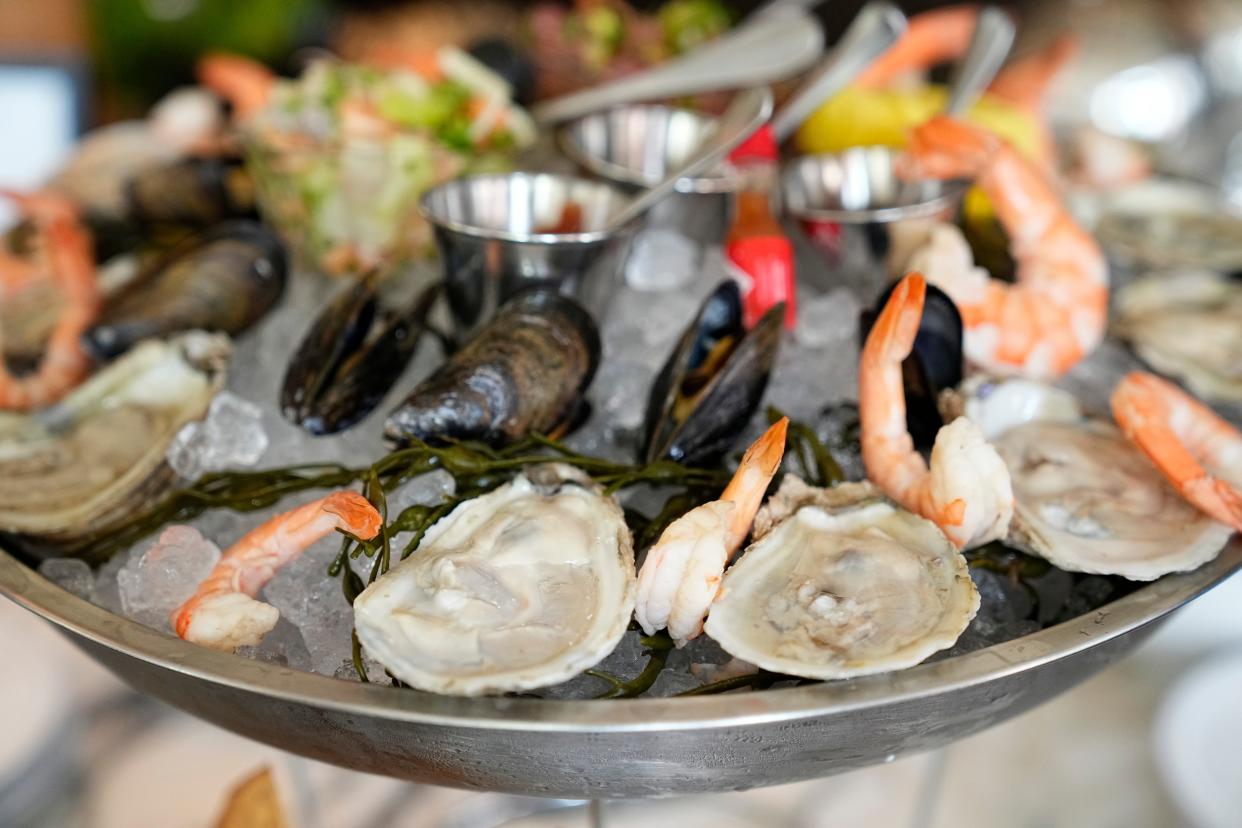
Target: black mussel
(511, 63)
(935, 364)
(525, 372)
(713, 381)
(192, 192)
(350, 358)
(223, 280)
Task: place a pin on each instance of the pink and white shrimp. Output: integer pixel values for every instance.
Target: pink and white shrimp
(681, 575)
(64, 245)
(1055, 314)
(222, 613)
(1182, 436)
(966, 491)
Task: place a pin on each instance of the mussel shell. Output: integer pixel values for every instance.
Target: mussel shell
(524, 372)
(350, 358)
(195, 192)
(224, 280)
(731, 394)
(934, 365)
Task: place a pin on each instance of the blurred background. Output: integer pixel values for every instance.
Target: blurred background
(1152, 742)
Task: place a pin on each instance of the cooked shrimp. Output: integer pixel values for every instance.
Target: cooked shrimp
(66, 246)
(944, 35)
(1181, 436)
(1055, 314)
(932, 37)
(967, 490)
(243, 82)
(681, 575)
(223, 613)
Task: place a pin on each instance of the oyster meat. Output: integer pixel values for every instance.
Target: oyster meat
(1085, 499)
(72, 471)
(842, 582)
(523, 587)
(1187, 325)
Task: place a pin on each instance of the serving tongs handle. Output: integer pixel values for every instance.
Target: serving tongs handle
(873, 31)
(749, 110)
(989, 46)
(762, 50)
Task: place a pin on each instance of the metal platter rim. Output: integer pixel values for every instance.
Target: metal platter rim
(95, 624)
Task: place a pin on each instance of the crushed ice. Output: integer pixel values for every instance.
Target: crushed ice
(230, 436)
(70, 574)
(155, 581)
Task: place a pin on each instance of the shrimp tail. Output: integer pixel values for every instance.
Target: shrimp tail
(355, 512)
(750, 482)
(1181, 435)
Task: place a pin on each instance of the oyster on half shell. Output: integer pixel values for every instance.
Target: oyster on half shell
(70, 472)
(1187, 325)
(523, 587)
(1085, 499)
(842, 582)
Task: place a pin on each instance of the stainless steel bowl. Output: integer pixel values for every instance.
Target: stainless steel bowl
(615, 749)
(634, 146)
(854, 206)
(488, 229)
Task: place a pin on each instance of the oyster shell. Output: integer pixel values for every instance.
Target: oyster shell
(523, 587)
(1085, 499)
(71, 472)
(1187, 325)
(842, 582)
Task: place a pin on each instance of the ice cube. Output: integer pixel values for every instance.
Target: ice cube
(313, 602)
(828, 319)
(154, 582)
(661, 259)
(282, 646)
(375, 671)
(805, 379)
(70, 574)
(231, 436)
(425, 490)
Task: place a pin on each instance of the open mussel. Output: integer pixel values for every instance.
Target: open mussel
(934, 365)
(712, 382)
(524, 372)
(350, 357)
(223, 280)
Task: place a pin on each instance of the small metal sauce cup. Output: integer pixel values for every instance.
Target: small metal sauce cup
(635, 146)
(487, 228)
(855, 208)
